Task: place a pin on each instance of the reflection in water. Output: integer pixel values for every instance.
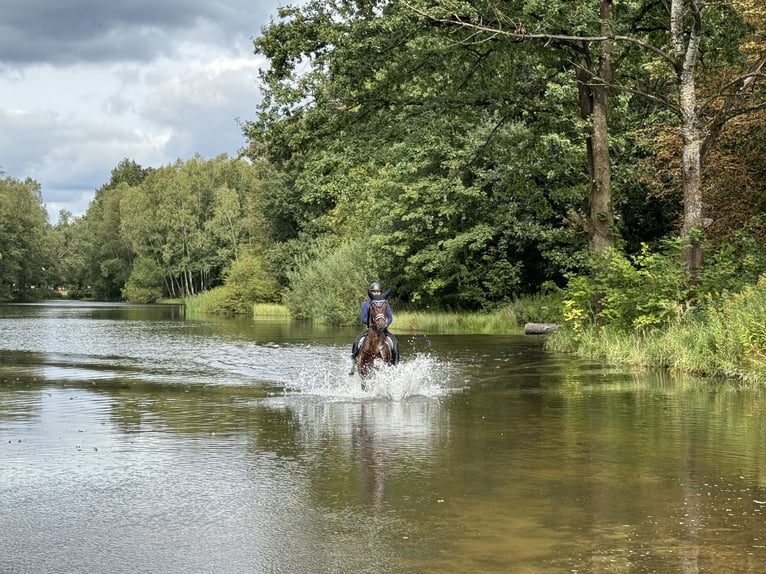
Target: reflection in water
(374, 466)
(376, 440)
(135, 441)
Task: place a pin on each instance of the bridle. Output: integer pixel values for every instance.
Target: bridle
(379, 317)
(377, 322)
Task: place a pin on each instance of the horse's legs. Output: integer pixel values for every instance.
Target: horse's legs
(355, 347)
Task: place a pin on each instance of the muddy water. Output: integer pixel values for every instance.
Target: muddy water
(135, 440)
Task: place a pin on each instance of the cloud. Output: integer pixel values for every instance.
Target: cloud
(73, 31)
(87, 83)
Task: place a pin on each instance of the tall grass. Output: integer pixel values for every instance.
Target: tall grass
(195, 305)
(503, 321)
(271, 311)
(208, 303)
(726, 339)
(508, 319)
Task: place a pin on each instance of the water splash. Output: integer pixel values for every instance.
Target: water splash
(423, 375)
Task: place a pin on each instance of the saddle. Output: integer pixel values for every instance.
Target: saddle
(389, 342)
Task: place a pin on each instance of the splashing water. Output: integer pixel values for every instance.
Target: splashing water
(423, 375)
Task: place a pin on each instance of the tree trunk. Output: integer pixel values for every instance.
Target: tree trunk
(593, 86)
(686, 53)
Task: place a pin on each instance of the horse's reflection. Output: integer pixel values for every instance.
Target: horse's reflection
(388, 439)
(374, 471)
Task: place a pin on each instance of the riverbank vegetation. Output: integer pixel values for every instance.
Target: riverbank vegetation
(507, 320)
(647, 310)
(480, 160)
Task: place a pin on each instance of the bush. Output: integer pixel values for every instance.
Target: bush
(543, 307)
(713, 326)
(736, 330)
(146, 282)
(736, 263)
(328, 284)
(627, 293)
(246, 283)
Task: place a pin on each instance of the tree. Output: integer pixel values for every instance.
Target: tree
(733, 98)
(397, 118)
(578, 28)
(24, 249)
(109, 256)
(95, 241)
(70, 247)
(193, 219)
(146, 282)
(681, 50)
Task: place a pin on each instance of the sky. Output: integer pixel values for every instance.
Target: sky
(85, 84)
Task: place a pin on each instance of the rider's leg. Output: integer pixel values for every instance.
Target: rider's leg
(357, 344)
(394, 348)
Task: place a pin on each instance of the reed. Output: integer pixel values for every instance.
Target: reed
(725, 340)
(502, 321)
(195, 305)
(271, 310)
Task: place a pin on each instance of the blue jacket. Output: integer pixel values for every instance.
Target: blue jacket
(365, 312)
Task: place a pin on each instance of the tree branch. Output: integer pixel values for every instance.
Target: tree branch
(520, 34)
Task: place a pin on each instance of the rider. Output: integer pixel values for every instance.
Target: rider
(374, 292)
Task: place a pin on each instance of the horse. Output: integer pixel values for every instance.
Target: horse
(375, 347)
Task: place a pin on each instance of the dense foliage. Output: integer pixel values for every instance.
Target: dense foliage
(477, 129)
(25, 259)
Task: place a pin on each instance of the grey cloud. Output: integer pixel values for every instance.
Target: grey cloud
(66, 31)
(204, 112)
(63, 154)
(148, 80)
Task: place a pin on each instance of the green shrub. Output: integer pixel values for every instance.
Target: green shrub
(246, 283)
(736, 263)
(647, 290)
(328, 284)
(737, 328)
(544, 307)
(222, 301)
(727, 339)
(146, 282)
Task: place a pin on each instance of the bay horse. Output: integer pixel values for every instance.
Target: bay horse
(375, 347)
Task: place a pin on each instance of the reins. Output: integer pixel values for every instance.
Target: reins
(375, 344)
(380, 307)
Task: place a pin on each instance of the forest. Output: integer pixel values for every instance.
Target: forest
(607, 154)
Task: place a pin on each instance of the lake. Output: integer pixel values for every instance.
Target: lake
(134, 439)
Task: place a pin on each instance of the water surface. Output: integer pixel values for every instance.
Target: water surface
(135, 440)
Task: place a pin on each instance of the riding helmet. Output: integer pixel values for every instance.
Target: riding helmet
(375, 286)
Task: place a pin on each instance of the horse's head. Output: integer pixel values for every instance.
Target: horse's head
(377, 318)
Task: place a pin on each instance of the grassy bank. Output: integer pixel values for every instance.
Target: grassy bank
(503, 321)
(725, 339)
(509, 319)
